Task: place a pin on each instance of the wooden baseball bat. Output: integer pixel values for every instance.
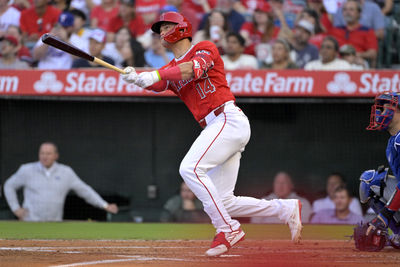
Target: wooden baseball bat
(73, 50)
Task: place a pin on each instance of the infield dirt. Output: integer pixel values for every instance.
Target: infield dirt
(188, 253)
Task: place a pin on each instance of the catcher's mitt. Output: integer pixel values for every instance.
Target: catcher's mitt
(375, 241)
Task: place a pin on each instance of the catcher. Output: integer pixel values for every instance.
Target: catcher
(385, 200)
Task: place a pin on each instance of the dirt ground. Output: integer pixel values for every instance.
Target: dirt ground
(188, 253)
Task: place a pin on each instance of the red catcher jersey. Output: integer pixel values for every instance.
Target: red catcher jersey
(207, 93)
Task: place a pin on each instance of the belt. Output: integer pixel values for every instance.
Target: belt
(213, 114)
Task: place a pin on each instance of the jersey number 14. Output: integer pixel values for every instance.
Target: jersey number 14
(207, 88)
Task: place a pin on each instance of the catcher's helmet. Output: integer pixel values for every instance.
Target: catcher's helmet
(383, 110)
(182, 29)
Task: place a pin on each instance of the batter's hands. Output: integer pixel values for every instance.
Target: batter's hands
(130, 75)
(21, 213)
(112, 208)
(146, 79)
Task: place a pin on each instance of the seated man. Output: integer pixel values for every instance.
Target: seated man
(333, 181)
(283, 188)
(184, 207)
(234, 57)
(45, 185)
(341, 214)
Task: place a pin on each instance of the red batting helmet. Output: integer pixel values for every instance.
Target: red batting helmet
(182, 29)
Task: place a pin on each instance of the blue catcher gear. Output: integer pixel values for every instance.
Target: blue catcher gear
(372, 183)
(383, 110)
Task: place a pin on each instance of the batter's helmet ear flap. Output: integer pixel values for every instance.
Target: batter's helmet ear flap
(182, 29)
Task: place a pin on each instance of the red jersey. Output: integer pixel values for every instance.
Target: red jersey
(136, 25)
(210, 91)
(256, 36)
(362, 38)
(31, 23)
(103, 16)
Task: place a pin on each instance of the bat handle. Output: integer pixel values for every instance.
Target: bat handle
(107, 65)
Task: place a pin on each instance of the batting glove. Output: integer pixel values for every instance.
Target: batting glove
(146, 79)
(130, 75)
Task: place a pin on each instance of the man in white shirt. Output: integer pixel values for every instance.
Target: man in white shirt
(333, 181)
(8, 16)
(234, 57)
(46, 184)
(328, 57)
(283, 188)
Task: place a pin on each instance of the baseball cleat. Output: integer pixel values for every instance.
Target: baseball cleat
(224, 241)
(294, 223)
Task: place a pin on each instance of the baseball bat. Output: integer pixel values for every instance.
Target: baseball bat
(73, 50)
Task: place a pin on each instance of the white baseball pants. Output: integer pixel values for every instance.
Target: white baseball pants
(210, 170)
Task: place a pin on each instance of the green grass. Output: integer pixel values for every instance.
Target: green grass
(157, 231)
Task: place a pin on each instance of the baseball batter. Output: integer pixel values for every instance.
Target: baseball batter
(385, 116)
(210, 167)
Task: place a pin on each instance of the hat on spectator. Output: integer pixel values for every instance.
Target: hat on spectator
(98, 35)
(66, 19)
(263, 6)
(169, 8)
(305, 24)
(347, 49)
(128, 2)
(11, 39)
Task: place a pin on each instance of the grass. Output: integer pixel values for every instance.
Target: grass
(157, 231)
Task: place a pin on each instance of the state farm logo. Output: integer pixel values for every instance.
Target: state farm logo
(48, 82)
(341, 83)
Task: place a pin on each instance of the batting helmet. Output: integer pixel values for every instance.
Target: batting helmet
(383, 110)
(182, 29)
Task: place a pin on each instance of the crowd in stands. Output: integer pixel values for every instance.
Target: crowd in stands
(250, 34)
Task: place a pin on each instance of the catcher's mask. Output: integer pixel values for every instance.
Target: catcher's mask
(182, 29)
(383, 110)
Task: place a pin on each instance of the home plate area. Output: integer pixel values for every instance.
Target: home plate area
(66, 253)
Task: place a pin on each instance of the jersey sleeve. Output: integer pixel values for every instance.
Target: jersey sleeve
(396, 142)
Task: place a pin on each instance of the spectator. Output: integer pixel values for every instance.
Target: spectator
(304, 51)
(234, 57)
(8, 16)
(260, 32)
(101, 15)
(247, 7)
(149, 10)
(329, 57)
(62, 5)
(80, 35)
(127, 17)
(23, 53)
(280, 56)
(333, 181)
(97, 41)
(361, 37)
(66, 20)
(183, 7)
(115, 50)
(283, 189)
(45, 186)
(235, 19)
(202, 7)
(323, 17)
(341, 213)
(370, 16)
(386, 6)
(348, 52)
(319, 30)
(21, 4)
(290, 10)
(84, 5)
(157, 55)
(215, 30)
(37, 21)
(134, 54)
(9, 51)
(48, 57)
(184, 207)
